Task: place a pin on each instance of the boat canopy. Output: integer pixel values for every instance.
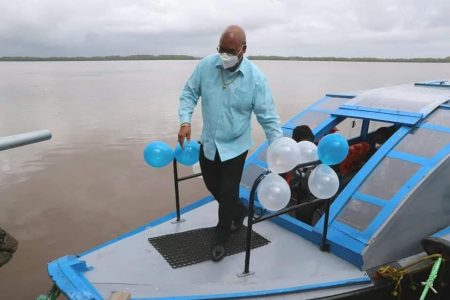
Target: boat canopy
(404, 181)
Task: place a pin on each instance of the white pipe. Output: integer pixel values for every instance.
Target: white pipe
(22, 139)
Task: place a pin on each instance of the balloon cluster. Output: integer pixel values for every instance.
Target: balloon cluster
(158, 154)
(284, 154)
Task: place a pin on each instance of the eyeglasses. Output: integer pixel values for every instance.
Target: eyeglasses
(230, 51)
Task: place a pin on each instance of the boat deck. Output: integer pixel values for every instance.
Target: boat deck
(287, 264)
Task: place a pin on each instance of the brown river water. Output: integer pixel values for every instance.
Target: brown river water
(89, 183)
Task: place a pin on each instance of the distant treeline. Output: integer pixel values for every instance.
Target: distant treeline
(359, 59)
(257, 57)
(99, 58)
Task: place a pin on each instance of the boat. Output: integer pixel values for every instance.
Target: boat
(384, 231)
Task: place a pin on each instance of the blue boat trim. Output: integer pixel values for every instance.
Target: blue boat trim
(408, 157)
(442, 232)
(369, 199)
(383, 110)
(377, 116)
(302, 288)
(435, 127)
(67, 272)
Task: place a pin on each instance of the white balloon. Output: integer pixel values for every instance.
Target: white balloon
(308, 152)
(283, 155)
(274, 192)
(323, 182)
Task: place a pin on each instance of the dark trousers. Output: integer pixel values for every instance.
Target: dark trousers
(222, 179)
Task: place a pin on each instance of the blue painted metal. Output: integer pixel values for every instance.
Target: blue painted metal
(67, 272)
(369, 199)
(435, 127)
(377, 116)
(392, 204)
(365, 171)
(349, 192)
(262, 293)
(383, 110)
(442, 232)
(324, 128)
(408, 157)
(349, 239)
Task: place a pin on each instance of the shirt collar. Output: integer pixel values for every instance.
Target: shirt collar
(243, 67)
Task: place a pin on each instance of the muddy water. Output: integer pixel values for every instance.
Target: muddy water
(89, 184)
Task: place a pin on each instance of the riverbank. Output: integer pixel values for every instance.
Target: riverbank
(252, 57)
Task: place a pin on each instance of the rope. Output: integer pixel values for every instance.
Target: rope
(53, 294)
(396, 275)
(429, 283)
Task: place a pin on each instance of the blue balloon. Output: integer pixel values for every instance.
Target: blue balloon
(189, 155)
(158, 154)
(332, 149)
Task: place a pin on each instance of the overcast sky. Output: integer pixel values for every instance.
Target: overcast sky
(348, 28)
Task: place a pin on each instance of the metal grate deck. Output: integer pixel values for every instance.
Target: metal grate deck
(191, 247)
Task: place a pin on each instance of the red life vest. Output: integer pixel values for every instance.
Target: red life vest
(357, 155)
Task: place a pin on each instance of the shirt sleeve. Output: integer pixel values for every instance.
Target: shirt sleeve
(266, 113)
(189, 96)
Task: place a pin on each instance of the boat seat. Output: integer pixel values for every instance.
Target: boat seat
(435, 245)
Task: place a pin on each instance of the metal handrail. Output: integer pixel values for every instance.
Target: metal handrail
(176, 180)
(22, 139)
(251, 219)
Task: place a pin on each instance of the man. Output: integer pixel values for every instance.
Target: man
(231, 88)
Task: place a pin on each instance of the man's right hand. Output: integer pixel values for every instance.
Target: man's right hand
(184, 133)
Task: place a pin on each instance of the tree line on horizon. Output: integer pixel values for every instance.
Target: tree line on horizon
(252, 57)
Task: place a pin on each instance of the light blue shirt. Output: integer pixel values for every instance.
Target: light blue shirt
(228, 100)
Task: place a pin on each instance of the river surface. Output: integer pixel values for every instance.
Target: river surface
(89, 183)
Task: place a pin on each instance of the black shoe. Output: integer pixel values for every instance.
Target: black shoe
(218, 252)
(237, 222)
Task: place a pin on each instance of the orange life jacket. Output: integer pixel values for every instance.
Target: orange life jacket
(357, 154)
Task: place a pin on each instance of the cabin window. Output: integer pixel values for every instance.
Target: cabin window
(358, 214)
(388, 177)
(440, 117)
(350, 128)
(311, 118)
(251, 172)
(333, 103)
(424, 142)
(375, 125)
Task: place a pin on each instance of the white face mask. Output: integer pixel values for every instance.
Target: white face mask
(229, 61)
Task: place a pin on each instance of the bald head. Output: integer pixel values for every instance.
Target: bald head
(233, 40)
(235, 33)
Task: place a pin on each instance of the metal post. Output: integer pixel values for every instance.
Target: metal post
(251, 207)
(177, 194)
(324, 246)
(22, 139)
(176, 180)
